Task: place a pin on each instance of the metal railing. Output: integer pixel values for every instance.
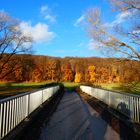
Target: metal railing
(127, 104)
(15, 109)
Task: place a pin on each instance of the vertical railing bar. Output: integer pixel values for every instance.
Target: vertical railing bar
(4, 111)
(139, 109)
(22, 106)
(7, 116)
(17, 116)
(27, 105)
(134, 108)
(10, 108)
(15, 111)
(1, 110)
(42, 96)
(19, 110)
(12, 115)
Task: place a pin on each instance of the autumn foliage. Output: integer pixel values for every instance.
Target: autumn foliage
(88, 70)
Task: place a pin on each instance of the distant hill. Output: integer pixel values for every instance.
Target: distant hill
(36, 68)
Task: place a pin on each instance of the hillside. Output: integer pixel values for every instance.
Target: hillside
(37, 68)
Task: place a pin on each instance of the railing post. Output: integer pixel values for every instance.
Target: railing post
(114, 99)
(42, 96)
(16, 108)
(28, 104)
(1, 110)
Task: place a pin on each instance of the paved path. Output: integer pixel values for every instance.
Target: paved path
(74, 119)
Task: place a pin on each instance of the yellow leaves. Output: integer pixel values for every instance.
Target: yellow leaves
(91, 68)
(91, 72)
(77, 78)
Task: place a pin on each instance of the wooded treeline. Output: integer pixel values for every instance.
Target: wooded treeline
(35, 68)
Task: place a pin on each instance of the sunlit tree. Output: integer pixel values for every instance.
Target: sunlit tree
(12, 41)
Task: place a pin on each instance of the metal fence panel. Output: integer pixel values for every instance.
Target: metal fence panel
(127, 104)
(16, 108)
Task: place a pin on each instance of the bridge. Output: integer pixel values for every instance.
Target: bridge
(53, 113)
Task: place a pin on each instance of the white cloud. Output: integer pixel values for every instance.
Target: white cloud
(50, 18)
(44, 9)
(120, 18)
(47, 14)
(39, 32)
(136, 32)
(123, 16)
(79, 20)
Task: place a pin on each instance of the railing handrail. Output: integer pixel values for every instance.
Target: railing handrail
(15, 109)
(23, 94)
(119, 92)
(127, 104)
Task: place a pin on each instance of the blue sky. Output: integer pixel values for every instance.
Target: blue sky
(55, 24)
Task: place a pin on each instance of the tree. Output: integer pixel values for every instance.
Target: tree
(67, 73)
(53, 70)
(78, 78)
(125, 5)
(91, 73)
(12, 41)
(115, 38)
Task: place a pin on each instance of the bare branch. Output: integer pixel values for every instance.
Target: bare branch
(12, 40)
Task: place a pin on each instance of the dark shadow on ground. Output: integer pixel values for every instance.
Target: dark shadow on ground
(126, 131)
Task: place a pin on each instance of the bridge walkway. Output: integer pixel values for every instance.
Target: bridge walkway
(74, 119)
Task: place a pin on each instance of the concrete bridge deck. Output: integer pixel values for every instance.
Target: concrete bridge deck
(74, 119)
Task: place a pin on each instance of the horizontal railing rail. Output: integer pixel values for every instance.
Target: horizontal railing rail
(15, 109)
(127, 104)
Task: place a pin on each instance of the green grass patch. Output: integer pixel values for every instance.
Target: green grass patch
(133, 87)
(70, 85)
(9, 89)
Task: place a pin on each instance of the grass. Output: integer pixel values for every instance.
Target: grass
(70, 85)
(133, 88)
(9, 89)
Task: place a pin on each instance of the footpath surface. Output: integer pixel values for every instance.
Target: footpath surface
(74, 119)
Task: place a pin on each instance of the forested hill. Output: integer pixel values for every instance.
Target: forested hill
(38, 68)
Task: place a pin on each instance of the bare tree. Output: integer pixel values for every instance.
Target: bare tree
(125, 5)
(121, 38)
(12, 41)
(129, 7)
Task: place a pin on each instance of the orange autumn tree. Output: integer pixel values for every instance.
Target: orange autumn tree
(36, 75)
(114, 75)
(67, 74)
(78, 77)
(91, 73)
(53, 70)
(79, 72)
(104, 75)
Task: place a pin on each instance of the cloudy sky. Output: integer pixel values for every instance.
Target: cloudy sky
(55, 25)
